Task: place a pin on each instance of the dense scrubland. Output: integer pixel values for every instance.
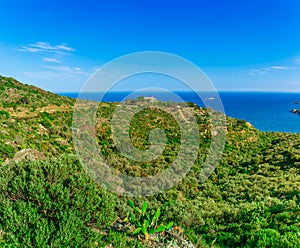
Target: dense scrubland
(48, 200)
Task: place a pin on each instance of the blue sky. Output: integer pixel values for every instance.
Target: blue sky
(241, 45)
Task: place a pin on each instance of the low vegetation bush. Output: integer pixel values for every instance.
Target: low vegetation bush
(52, 203)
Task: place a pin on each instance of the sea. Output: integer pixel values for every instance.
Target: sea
(266, 111)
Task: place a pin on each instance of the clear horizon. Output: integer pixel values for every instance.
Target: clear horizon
(219, 91)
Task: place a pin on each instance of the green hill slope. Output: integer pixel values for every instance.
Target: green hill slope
(250, 200)
(16, 95)
(32, 118)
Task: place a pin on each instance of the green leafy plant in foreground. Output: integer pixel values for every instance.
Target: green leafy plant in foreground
(146, 223)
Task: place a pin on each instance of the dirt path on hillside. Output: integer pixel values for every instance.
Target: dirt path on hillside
(24, 112)
(182, 115)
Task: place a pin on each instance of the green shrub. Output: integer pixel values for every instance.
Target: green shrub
(46, 119)
(265, 238)
(52, 203)
(291, 239)
(7, 151)
(5, 114)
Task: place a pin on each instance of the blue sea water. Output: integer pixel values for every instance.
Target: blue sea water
(265, 111)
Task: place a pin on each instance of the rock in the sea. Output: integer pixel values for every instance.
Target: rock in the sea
(295, 111)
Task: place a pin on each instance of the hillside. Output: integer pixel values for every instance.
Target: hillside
(32, 118)
(252, 199)
(17, 96)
